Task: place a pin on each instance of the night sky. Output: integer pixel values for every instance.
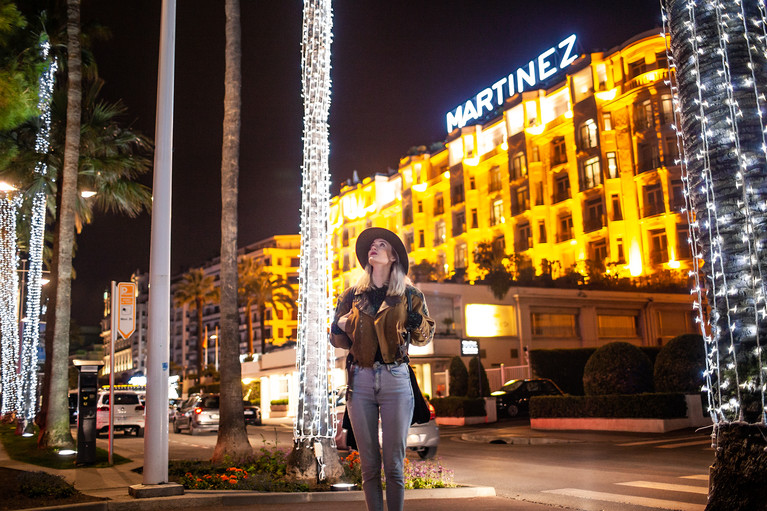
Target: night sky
(397, 68)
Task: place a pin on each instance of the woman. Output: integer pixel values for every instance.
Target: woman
(372, 321)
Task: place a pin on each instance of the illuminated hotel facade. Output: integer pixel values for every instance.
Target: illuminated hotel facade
(581, 171)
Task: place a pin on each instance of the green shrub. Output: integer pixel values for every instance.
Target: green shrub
(563, 366)
(43, 484)
(278, 402)
(617, 368)
(459, 377)
(634, 406)
(680, 365)
(477, 371)
(458, 406)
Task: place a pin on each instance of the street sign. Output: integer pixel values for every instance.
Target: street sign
(469, 347)
(126, 309)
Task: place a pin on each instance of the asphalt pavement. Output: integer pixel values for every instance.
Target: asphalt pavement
(114, 483)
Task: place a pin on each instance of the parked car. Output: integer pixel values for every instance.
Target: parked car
(252, 414)
(73, 406)
(421, 438)
(514, 397)
(128, 412)
(196, 414)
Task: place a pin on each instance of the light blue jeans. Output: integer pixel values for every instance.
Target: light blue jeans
(384, 389)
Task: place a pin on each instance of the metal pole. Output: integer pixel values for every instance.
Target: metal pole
(216, 347)
(158, 334)
(112, 338)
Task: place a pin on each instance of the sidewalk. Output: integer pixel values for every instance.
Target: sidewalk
(112, 483)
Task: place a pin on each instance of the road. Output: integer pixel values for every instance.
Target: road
(594, 471)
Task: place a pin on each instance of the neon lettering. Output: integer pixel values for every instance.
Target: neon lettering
(483, 101)
(527, 76)
(544, 66)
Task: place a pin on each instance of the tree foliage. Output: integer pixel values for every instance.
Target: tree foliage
(477, 373)
(459, 377)
(618, 368)
(680, 364)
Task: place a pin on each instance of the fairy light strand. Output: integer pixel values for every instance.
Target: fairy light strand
(314, 358)
(31, 330)
(9, 326)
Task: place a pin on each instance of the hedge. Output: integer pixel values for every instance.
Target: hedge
(636, 406)
(458, 406)
(565, 366)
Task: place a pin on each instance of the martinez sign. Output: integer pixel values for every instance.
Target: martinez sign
(546, 65)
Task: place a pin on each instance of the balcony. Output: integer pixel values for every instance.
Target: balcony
(523, 244)
(659, 256)
(564, 236)
(646, 165)
(519, 208)
(657, 208)
(494, 186)
(591, 224)
(560, 195)
(646, 79)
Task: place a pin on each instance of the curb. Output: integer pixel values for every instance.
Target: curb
(208, 498)
(515, 440)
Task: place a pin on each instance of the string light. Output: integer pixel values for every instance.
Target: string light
(315, 357)
(9, 327)
(31, 331)
(713, 55)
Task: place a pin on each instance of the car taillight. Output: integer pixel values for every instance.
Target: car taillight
(103, 409)
(140, 408)
(432, 413)
(198, 411)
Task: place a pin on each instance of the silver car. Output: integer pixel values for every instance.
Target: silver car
(196, 414)
(421, 438)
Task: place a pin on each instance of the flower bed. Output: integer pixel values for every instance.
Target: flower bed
(418, 474)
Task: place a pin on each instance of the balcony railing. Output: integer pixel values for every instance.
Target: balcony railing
(648, 164)
(653, 209)
(646, 79)
(560, 195)
(564, 236)
(659, 256)
(519, 208)
(591, 224)
(523, 244)
(495, 186)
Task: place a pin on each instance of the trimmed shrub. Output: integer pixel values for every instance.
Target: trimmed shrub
(634, 406)
(475, 374)
(457, 406)
(563, 366)
(617, 368)
(459, 377)
(43, 484)
(680, 365)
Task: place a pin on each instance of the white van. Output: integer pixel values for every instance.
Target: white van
(128, 412)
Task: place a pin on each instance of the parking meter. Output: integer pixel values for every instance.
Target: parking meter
(87, 386)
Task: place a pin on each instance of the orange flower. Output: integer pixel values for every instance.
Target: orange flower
(232, 481)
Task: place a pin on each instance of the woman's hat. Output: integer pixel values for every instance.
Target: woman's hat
(366, 238)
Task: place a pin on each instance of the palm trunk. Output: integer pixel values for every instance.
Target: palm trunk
(249, 322)
(262, 317)
(232, 436)
(200, 340)
(57, 433)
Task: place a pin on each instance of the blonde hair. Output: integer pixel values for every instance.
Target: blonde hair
(398, 281)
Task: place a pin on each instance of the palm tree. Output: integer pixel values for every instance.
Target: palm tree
(261, 288)
(195, 290)
(56, 433)
(718, 59)
(232, 439)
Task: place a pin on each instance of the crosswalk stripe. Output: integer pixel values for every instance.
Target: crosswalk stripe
(666, 486)
(651, 442)
(697, 477)
(627, 499)
(685, 444)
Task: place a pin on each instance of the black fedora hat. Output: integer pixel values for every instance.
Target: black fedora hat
(366, 238)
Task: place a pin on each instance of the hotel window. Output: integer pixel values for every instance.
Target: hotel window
(620, 256)
(496, 212)
(524, 240)
(588, 134)
(541, 231)
(636, 68)
(591, 175)
(407, 213)
(474, 219)
(673, 323)
(459, 223)
(601, 76)
(598, 250)
(421, 238)
(518, 169)
(593, 215)
(420, 206)
(439, 232)
(661, 60)
(439, 204)
(607, 121)
(535, 154)
(671, 155)
(495, 179)
(653, 200)
(499, 246)
(683, 250)
(667, 109)
(677, 195)
(647, 156)
(539, 193)
(461, 254)
(558, 151)
(615, 326)
(562, 187)
(553, 325)
(612, 164)
(457, 196)
(521, 200)
(565, 228)
(346, 266)
(615, 200)
(409, 241)
(658, 246)
(472, 183)
(643, 118)
(345, 238)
